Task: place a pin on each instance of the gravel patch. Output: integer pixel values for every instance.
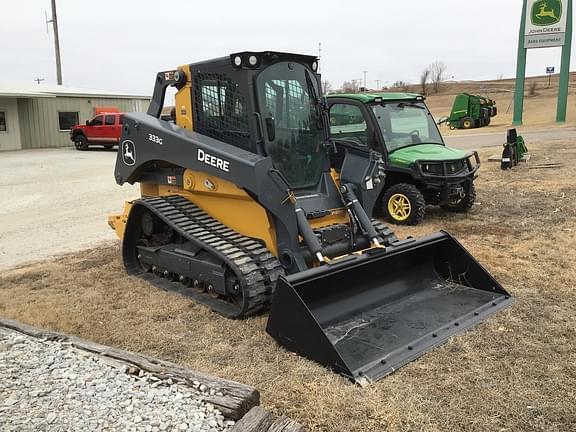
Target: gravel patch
(50, 386)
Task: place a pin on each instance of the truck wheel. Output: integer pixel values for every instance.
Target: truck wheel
(467, 123)
(80, 142)
(464, 204)
(108, 146)
(403, 204)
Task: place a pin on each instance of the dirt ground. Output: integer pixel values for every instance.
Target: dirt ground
(514, 372)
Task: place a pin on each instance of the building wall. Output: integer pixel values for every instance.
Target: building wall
(10, 139)
(39, 117)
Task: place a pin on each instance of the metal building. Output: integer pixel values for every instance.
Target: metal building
(39, 117)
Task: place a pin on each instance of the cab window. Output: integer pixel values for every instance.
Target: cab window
(96, 121)
(109, 120)
(347, 123)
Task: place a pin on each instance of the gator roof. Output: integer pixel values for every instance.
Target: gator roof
(369, 97)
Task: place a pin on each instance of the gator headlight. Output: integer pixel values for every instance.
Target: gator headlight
(238, 61)
(455, 166)
(253, 60)
(431, 168)
(472, 161)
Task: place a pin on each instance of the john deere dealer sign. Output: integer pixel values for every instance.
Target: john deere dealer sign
(545, 23)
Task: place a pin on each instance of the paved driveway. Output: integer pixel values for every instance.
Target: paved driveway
(56, 201)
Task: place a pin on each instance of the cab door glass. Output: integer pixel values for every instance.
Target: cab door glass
(110, 120)
(96, 121)
(347, 123)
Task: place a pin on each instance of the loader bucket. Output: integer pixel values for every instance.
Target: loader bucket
(364, 316)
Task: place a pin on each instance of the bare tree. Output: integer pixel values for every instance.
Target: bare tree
(326, 87)
(424, 75)
(402, 85)
(350, 86)
(437, 71)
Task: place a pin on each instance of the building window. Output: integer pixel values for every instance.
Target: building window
(67, 120)
(3, 127)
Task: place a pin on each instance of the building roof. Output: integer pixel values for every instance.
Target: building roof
(28, 91)
(369, 97)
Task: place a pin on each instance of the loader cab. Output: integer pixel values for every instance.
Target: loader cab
(267, 103)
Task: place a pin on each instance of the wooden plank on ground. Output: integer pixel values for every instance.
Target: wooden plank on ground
(256, 420)
(498, 158)
(238, 398)
(285, 424)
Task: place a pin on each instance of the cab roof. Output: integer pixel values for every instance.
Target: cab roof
(371, 97)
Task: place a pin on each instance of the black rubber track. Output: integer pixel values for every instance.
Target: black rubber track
(250, 263)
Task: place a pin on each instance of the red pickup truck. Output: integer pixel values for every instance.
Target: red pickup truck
(104, 129)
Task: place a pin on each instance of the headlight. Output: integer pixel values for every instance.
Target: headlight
(472, 161)
(431, 168)
(456, 166)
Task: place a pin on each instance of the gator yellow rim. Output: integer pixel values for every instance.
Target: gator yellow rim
(467, 123)
(399, 207)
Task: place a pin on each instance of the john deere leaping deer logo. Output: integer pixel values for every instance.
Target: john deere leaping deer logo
(128, 152)
(546, 12)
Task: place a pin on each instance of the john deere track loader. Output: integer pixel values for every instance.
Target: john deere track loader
(241, 210)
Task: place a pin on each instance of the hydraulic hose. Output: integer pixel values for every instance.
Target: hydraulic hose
(363, 219)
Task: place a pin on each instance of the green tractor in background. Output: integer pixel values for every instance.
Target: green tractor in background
(470, 111)
(420, 169)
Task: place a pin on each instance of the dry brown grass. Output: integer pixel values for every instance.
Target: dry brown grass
(516, 371)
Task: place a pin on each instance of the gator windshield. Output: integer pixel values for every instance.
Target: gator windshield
(293, 133)
(406, 123)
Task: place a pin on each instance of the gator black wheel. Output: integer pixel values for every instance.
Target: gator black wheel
(403, 204)
(108, 146)
(463, 204)
(80, 142)
(467, 123)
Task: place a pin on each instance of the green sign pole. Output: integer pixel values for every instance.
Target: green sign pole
(565, 69)
(520, 72)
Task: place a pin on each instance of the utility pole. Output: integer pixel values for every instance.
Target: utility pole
(365, 72)
(378, 85)
(54, 22)
(38, 80)
(319, 55)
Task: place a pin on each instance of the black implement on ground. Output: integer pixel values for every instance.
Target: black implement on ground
(404, 301)
(514, 151)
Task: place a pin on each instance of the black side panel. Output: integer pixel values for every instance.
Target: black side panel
(366, 171)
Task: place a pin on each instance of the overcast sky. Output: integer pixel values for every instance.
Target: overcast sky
(120, 45)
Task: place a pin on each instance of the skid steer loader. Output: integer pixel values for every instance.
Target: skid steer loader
(241, 210)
